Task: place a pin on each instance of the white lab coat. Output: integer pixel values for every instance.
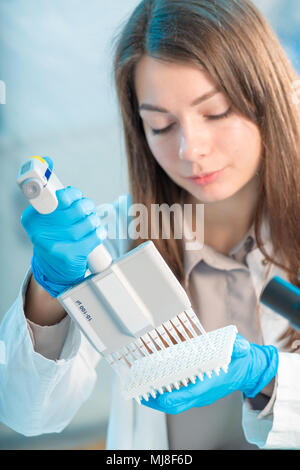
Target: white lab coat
(39, 395)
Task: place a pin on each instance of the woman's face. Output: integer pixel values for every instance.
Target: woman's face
(196, 136)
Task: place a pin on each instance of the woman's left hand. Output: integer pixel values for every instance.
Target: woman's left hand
(251, 369)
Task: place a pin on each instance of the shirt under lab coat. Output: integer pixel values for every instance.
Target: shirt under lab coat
(39, 395)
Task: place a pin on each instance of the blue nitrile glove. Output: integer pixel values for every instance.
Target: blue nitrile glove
(251, 368)
(62, 240)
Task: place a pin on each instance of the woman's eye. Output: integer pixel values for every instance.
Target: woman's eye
(211, 118)
(160, 131)
(221, 116)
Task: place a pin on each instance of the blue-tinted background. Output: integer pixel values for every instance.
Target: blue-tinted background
(55, 60)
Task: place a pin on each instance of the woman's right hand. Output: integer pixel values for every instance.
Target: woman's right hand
(62, 240)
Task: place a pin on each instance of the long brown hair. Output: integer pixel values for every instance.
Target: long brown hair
(231, 40)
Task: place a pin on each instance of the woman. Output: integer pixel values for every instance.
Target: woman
(205, 92)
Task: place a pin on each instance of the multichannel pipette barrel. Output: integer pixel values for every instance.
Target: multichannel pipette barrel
(127, 308)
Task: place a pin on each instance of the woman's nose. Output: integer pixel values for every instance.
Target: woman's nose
(194, 144)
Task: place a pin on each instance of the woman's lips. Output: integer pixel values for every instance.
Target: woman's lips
(207, 178)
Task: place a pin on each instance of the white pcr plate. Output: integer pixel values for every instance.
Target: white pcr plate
(176, 365)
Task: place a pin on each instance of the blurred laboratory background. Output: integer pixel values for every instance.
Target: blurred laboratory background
(56, 72)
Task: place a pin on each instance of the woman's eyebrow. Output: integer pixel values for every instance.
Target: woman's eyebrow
(206, 96)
